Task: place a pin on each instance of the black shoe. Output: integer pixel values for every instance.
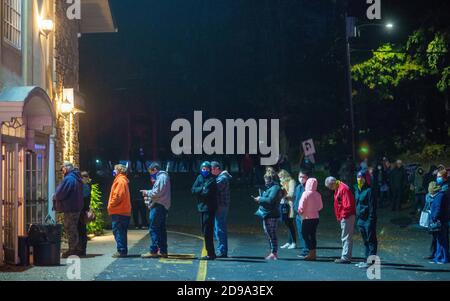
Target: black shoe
(222, 256)
(69, 253)
(208, 258)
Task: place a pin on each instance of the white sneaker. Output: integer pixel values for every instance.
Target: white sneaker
(285, 246)
(292, 246)
(358, 264)
(364, 265)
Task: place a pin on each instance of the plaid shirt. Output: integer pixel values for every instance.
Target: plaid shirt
(223, 189)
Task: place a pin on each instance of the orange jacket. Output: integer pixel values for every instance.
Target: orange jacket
(119, 200)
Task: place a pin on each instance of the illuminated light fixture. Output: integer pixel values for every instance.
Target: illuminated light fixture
(389, 25)
(46, 26)
(66, 107)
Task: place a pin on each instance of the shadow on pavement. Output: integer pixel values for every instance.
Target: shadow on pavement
(421, 270)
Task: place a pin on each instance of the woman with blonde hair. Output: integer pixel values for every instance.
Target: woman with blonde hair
(287, 207)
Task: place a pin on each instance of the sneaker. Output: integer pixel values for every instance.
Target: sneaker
(222, 256)
(363, 265)
(359, 264)
(285, 246)
(272, 256)
(118, 255)
(208, 258)
(342, 261)
(292, 246)
(150, 255)
(163, 255)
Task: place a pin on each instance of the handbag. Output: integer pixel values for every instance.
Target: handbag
(89, 217)
(425, 217)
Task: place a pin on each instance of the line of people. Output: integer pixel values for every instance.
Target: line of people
(297, 206)
(302, 205)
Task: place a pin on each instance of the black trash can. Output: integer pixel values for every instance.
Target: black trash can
(46, 242)
(47, 254)
(24, 251)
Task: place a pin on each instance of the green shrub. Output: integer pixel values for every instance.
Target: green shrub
(97, 226)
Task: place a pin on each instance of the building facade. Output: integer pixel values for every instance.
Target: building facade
(40, 103)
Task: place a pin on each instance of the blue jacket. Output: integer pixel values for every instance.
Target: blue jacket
(69, 194)
(439, 207)
(297, 196)
(269, 202)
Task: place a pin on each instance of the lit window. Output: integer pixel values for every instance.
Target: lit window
(12, 22)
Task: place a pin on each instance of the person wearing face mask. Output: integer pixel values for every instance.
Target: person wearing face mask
(68, 199)
(366, 215)
(204, 190)
(268, 211)
(119, 208)
(303, 176)
(440, 213)
(160, 202)
(287, 207)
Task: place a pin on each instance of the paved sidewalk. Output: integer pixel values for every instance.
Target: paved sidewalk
(100, 250)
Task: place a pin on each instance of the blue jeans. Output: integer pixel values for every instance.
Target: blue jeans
(158, 230)
(301, 241)
(220, 230)
(120, 229)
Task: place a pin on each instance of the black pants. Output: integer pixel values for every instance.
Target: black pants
(207, 220)
(309, 229)
(289, 222)
(369, 236)
(139, 209)
(82, 234)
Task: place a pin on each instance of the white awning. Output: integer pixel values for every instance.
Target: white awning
(28, 102)
(96, 17)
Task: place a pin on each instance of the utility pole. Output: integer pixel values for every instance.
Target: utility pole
(350, 31)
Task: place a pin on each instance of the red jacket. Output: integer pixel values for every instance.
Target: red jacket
(344, 202)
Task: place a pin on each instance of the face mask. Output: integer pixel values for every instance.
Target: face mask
(154, 176)
(360, 183)
(205, 173)
(114, 173)
(440, 180)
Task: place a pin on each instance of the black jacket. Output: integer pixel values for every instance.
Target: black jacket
(205, 190)
(366, 207)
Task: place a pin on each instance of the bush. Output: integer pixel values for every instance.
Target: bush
(97, 226)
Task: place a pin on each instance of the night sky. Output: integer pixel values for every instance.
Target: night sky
(230, 58)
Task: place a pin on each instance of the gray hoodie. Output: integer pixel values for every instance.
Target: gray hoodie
(161, 190)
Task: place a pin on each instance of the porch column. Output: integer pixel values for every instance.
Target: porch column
(51, 174)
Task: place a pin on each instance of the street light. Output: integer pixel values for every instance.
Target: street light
(353, 30)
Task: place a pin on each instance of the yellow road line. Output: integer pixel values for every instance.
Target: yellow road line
(203, 266)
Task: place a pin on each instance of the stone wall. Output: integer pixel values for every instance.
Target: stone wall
(67, 76)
